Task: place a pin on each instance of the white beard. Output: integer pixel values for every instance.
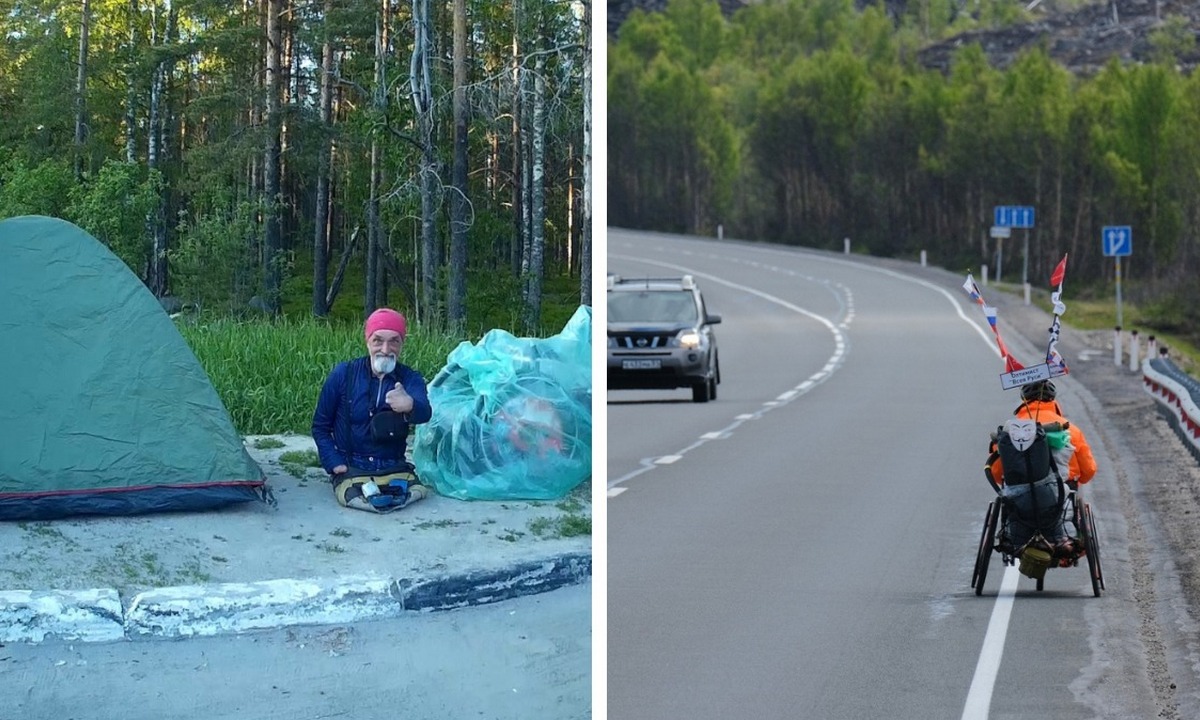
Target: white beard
(383, 364)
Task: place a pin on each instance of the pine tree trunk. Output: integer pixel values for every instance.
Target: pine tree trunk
(160, 242)
(459, 222)
(585, 238)
(429, 244)
(422, 101)
(373, 295)
(272, 246)
(321, 222)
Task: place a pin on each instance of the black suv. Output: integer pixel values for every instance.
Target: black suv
(660, 336)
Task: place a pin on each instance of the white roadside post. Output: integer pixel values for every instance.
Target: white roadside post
(1133, 350)
(1117, 346)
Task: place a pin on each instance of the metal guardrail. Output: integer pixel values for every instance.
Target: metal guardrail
(1178, 398)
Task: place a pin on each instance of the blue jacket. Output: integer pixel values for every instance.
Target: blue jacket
(349, 399)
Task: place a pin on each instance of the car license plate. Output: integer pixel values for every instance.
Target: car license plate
(641, 364)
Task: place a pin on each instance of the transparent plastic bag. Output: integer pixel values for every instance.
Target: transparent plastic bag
(512, 417)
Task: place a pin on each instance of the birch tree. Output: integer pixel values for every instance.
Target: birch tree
(537, 199)
(81, 88)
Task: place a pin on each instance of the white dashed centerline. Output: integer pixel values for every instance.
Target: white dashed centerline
(835, 360)
(982, 684)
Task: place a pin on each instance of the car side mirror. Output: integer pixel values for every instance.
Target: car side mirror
(712, 319)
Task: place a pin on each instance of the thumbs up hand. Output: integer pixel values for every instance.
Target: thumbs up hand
(399, 400)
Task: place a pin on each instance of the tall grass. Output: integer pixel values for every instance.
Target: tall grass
(269, 372)
(1086, 313)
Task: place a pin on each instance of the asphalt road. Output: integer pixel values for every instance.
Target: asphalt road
(523, 659)
(802, 547)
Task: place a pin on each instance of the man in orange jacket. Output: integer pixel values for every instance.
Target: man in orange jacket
(1038, 404)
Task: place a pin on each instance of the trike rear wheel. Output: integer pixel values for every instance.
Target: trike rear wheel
(987, 543)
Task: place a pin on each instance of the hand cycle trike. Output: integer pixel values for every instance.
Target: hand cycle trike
(1040, 525)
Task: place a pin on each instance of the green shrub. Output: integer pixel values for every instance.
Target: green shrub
(213, 261)
(41, 190)
(114, 206)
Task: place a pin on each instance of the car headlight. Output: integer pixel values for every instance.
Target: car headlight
(690, 340)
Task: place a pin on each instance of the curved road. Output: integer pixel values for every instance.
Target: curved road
(802, 547)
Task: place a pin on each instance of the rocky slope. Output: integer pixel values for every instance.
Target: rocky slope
(1082, 39)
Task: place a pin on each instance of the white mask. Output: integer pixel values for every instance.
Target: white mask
(383, 364)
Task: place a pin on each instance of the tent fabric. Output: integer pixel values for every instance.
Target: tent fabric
(104, 409)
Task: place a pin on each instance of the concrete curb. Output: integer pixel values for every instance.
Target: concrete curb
(231, 608)
(86, 615)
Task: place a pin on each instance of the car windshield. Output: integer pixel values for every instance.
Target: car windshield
(658, 306)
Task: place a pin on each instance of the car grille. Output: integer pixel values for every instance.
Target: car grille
(644, 340)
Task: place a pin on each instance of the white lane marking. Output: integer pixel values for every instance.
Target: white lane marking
(613, 492)
(988, 665)
(794, 254)
(841, 348)
(712, 435)
(787, 395)
(979, 697)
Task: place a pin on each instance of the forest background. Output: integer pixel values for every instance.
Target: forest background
(317, 158)
(809, 122)
(274, 170)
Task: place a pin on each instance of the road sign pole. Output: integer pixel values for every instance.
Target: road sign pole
(999, 257)
(1120, 323)
(1025, 260)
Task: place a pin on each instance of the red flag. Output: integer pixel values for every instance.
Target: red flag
(1011, 364)
(1060, 271)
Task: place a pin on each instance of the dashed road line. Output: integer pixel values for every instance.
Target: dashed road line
(983, 682)
(841, 346)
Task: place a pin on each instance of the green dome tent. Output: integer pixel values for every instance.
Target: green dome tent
(104, 409)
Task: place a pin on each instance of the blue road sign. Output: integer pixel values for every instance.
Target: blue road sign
(1024, 216)
(1015, 216)
(1117, 240)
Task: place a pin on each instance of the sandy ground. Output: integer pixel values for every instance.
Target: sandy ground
(305, 535)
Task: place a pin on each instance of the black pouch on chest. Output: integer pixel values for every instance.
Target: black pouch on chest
(388, 427)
